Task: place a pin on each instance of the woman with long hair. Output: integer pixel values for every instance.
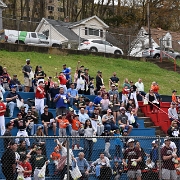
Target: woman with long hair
(115, 106)
(88, 142)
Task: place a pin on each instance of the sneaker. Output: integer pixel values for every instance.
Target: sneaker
(65, 177)
(80, 148)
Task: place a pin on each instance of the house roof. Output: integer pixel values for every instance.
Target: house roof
(158, 33)
(63, 28)
(2, 4)
(83, 21)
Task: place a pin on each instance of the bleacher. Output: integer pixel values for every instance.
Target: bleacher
(98, 146)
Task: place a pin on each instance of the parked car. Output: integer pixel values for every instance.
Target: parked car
(30, 38)
(155, 53)
(98, 45)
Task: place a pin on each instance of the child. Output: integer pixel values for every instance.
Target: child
(55, 155)
(91, 86)
(118, 150)
(117, 170)
(125, 93)
(76, 126)
(174, 99)
(63, 123)
(26, 166)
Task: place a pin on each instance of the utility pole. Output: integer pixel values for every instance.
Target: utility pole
(149, 28)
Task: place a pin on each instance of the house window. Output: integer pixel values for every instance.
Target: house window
(168, 43)
(94, 32)
(50, 17)
(60, 9)
(50, 8)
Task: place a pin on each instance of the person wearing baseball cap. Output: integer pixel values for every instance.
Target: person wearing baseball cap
(9, 127)
(133, 155)
(168, 159)
(39, 74)
(109, 121)
(174, 98)
(27, 70)
(99, 80)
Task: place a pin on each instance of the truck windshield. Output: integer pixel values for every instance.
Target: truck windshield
(41, 36)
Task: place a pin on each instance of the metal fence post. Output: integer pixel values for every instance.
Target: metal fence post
(68, 175)
(159, 154)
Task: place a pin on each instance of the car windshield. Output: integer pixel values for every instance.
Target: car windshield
(106, 43)
(41, 36)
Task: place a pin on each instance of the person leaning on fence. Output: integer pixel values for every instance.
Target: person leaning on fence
(133, 155)
(8, 161)
(83, 166)
(102, 167)
(168, 160)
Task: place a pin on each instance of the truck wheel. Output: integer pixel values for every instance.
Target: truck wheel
(57, 45)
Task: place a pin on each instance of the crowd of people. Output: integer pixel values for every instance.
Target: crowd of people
(113, 112)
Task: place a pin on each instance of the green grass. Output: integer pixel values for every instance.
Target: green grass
(132, 70)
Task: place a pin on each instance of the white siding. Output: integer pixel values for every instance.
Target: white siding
(167, 40)
(52, 33)
(94, 24)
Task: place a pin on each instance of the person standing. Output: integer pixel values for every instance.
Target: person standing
(16, 82)
(168, 157)
(39, 97)
(87, 81)
(26, 166)
(39, 161)
(8, 161)
(133, 155)
(114, 80)
(11, 100)
(67, 73)
(61, 102)
(2, 120)
(27, 76)
(140, 89)
(9, 127)
(99, 81)
(40, 74)
(88, 143)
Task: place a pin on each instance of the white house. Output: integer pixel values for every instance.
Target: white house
(69, 32)
(167, 39)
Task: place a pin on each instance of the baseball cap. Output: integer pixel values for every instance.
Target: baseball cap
(19, 114)
(173, 103)
(122, 108)
(9, 124)
(15, 75)
(46, 106)
(99, 71)
(40, 66)
(63, 114)
(86, 69)
(13, 86)
(40, 127)
(27, 60)
(167, 138)
(130, 140)
(125, 130)
(71, 109)
(81, 66)
(131, 81)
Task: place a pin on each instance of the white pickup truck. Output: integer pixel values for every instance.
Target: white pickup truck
(30, 38)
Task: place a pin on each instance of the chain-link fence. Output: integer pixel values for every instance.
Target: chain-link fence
(107, 157)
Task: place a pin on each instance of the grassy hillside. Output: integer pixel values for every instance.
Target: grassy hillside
(132, 70)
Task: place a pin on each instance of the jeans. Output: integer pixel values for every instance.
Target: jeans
(69, 129)
(110, 127)
(88, 149)
(12, 105)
